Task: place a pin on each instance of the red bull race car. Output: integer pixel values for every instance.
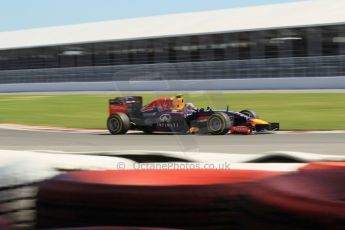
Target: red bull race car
(175, 115)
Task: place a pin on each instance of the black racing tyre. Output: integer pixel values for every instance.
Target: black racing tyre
(218, 123)
(118, 123)
(250, 113)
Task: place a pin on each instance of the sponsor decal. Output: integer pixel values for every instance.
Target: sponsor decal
(165, 118)
(240, 129)
(201, 118)
(169, 125)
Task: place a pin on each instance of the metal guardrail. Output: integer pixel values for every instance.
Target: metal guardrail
(325, 66)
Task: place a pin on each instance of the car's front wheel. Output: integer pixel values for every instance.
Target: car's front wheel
(118, 123)
(219, 123)
(250, 113)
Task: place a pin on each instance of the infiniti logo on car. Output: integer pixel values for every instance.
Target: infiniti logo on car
(165, 118)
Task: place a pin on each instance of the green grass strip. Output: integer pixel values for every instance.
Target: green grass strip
(295, 111)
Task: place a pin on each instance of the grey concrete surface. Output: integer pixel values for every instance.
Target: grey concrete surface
(183, 85)
(176, 92)
(322, 143)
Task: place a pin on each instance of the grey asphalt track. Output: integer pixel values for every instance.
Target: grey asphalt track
(323, 143)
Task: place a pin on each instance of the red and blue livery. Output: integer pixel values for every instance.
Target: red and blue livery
(175, 115)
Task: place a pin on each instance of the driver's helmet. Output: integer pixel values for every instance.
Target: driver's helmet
(178, 102)
(190, 107)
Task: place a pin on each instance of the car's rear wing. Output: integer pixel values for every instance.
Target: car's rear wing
(127, 100)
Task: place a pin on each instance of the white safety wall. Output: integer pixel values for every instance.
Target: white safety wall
(183, 85)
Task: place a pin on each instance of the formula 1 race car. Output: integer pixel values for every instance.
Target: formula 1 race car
(174, 115)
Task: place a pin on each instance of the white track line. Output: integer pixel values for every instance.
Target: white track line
(312, 132)
(39, 163)
(49, 129)
(76, 130)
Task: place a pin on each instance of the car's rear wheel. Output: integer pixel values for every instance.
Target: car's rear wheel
(118, 123)
(250, 113)
(219, 123)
